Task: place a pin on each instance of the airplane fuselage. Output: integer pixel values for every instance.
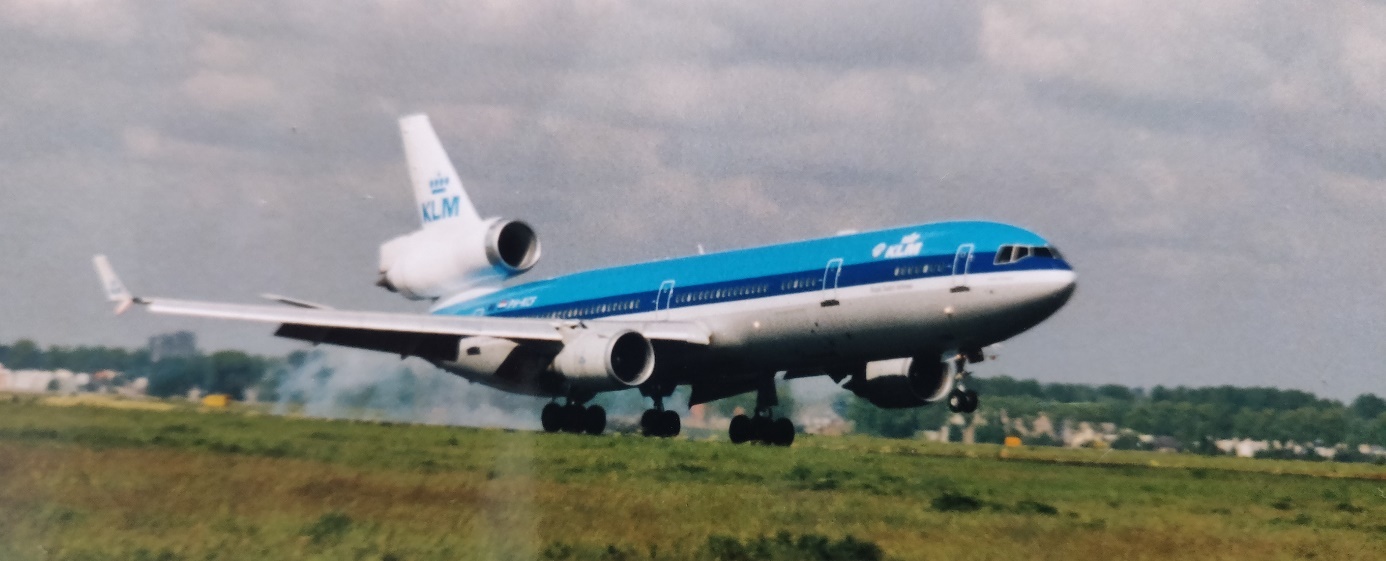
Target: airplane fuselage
(815, 304)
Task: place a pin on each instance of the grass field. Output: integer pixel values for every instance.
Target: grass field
(92, 482)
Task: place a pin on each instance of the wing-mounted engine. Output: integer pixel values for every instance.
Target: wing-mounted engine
(902, 382)
(450, 257)
(599, 361)
(587, 361)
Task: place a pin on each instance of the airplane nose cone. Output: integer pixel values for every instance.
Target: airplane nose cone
(1064, 285)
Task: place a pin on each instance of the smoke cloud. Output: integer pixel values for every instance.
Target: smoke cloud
(352, 384)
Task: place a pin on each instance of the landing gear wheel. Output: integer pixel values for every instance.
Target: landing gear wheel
(740, 429)
(972, 401)
(647, 422)
(957, 401)
(573, 417)
(551, 418)
(760, 428)
(594, 420)
(670, 423)
(782, 432)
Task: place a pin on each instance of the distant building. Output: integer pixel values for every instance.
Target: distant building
(172, 345)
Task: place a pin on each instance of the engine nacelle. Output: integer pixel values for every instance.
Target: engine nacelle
(449, 257)
(605, 360)
(902, 382)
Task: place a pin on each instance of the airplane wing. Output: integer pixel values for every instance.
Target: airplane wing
(430, 336)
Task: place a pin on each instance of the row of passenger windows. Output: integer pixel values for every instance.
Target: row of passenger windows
(719, 293)
(595, 309)
(802, 282)
(1013, 253)
(916, 270)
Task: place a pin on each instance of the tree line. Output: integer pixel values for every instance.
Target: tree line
(228, 372)
(1191, 415)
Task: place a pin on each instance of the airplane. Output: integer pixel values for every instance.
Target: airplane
(893, 315)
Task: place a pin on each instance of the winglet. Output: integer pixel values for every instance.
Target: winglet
(115, 290)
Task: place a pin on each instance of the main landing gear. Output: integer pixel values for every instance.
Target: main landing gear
(961, 399)
(573, 417)
(659, 421)
(763, 427)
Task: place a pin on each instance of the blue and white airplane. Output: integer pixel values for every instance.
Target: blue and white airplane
(893, 315)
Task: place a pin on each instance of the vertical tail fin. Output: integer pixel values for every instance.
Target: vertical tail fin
(437, 189)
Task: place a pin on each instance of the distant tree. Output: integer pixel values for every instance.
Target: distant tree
(1126, 441)
(231, 372)
(1368, 406)
(174, 376)
(24, 354)
(1116, 392)
(893, 423)
(993, 432)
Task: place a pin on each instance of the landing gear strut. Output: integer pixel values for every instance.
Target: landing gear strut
(659, 421)
(762, 426)
(573, 417)
(962, 400)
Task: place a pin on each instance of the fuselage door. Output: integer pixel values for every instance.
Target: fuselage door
(962, 263)
(830, 276)
(665, 297)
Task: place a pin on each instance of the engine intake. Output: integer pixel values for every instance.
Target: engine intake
(902, 382)
(512, 244)
(606, 361)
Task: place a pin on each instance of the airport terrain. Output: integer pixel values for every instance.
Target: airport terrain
(133, 482)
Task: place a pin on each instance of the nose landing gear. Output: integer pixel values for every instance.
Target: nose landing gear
(961, 399)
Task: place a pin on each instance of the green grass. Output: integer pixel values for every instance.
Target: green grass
(90, 482)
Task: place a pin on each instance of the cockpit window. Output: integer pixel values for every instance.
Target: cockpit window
(1007, 254)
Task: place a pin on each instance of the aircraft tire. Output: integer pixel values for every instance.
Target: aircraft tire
(740, 429)
(594, 420)
(647, 423)
(972, 401)
(670, 424)
(957, 401)
(574, 416)
(760, 429)
(551, 417)
(782, 431)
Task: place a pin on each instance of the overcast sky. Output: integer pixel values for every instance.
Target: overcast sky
(1214, 170)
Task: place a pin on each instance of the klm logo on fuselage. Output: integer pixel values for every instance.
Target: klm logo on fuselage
(438, 209)
(909, 246)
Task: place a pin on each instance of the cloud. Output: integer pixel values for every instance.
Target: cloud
(220, 91)
(95, 21)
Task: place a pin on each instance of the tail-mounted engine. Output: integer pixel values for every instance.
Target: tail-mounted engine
(449, 257)
(902, 382)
